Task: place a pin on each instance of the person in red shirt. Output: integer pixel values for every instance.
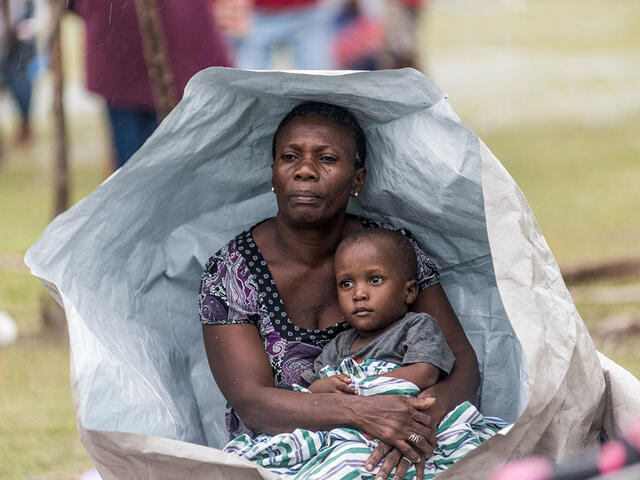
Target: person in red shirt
(116, 68)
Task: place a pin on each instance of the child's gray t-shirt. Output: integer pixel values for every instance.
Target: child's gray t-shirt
(416, 338)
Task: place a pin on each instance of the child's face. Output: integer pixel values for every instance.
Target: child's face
(372, 292)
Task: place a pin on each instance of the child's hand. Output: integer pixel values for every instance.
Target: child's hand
(335, 384)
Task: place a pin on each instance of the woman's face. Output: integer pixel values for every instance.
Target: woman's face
(314, 170)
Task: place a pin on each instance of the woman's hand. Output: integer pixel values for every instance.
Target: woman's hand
(393, 458)
(335, 384)
(423, 444)
(393, 420)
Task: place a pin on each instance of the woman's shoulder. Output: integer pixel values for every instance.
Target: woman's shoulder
(228, 285)
(371, 223)
(235, 250)
(228, 254)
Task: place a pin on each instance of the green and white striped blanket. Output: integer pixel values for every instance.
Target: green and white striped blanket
(340, 453)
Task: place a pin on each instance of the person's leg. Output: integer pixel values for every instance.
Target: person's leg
(130, 128)
(254, 50)
(400, 45)
(311, 38)
(147, 124)
(20, 84)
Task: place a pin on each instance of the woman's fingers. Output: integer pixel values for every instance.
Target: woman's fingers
(342, 377)
(409, 451)
(424, 431)
(420, 468)
(423, 426)
(420, 403)
(424, 418)
(377, 455)
(422, 444)
(390, 462)
(404, 464)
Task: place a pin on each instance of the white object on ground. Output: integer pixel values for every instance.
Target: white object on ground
(91, 475)
(8, 330)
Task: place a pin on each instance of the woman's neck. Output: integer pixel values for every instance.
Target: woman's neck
(309, 245)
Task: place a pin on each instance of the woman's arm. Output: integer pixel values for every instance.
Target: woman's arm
(243, 374)
(463, 381)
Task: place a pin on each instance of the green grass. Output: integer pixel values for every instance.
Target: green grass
(20, 294)
(38, 431)
(581, 184)
(38, 428)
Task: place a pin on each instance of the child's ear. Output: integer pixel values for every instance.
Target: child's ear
(410, 292)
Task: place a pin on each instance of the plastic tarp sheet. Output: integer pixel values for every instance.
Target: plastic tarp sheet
(126, 261)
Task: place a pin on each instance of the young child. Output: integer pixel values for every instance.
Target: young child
(376, 276)
(388, 351)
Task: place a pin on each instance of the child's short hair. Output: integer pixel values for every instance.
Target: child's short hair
(404, 255)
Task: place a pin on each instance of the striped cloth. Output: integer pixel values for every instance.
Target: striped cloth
(340, 453)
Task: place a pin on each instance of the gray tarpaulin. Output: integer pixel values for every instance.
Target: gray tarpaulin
(125, 262)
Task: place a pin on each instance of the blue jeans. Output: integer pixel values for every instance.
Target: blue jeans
(130, 128)
(306, 30)
(15, 74)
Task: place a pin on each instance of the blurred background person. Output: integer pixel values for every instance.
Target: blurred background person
(18, 60)
(400, 24)
(378, 34)
(358, 35)
(116, 67)
(232, 17)
(302, 25)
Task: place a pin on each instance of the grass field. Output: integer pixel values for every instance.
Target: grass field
(551, 88)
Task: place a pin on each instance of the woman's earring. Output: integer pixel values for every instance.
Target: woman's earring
(273, 189)
(355, 195)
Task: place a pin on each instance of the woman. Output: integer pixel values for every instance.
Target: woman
(268, 302)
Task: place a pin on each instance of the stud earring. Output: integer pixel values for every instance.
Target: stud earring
(355, 195)
(273, 189)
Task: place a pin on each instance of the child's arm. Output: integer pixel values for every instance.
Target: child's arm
(423, 374)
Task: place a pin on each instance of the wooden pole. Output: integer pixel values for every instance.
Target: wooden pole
(53, 317)
(156, 57)
(5, 13)
(61, 170)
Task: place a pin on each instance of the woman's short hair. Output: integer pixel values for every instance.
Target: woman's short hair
(339, 115)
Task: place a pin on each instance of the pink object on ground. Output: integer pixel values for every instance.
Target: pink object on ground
(634, 436)
(613, 456)
(534, 468)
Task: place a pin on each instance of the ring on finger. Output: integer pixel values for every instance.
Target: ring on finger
(415, 438)
(407, 459)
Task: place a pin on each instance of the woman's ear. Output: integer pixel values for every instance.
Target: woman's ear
(359, 177)
(410, 292)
